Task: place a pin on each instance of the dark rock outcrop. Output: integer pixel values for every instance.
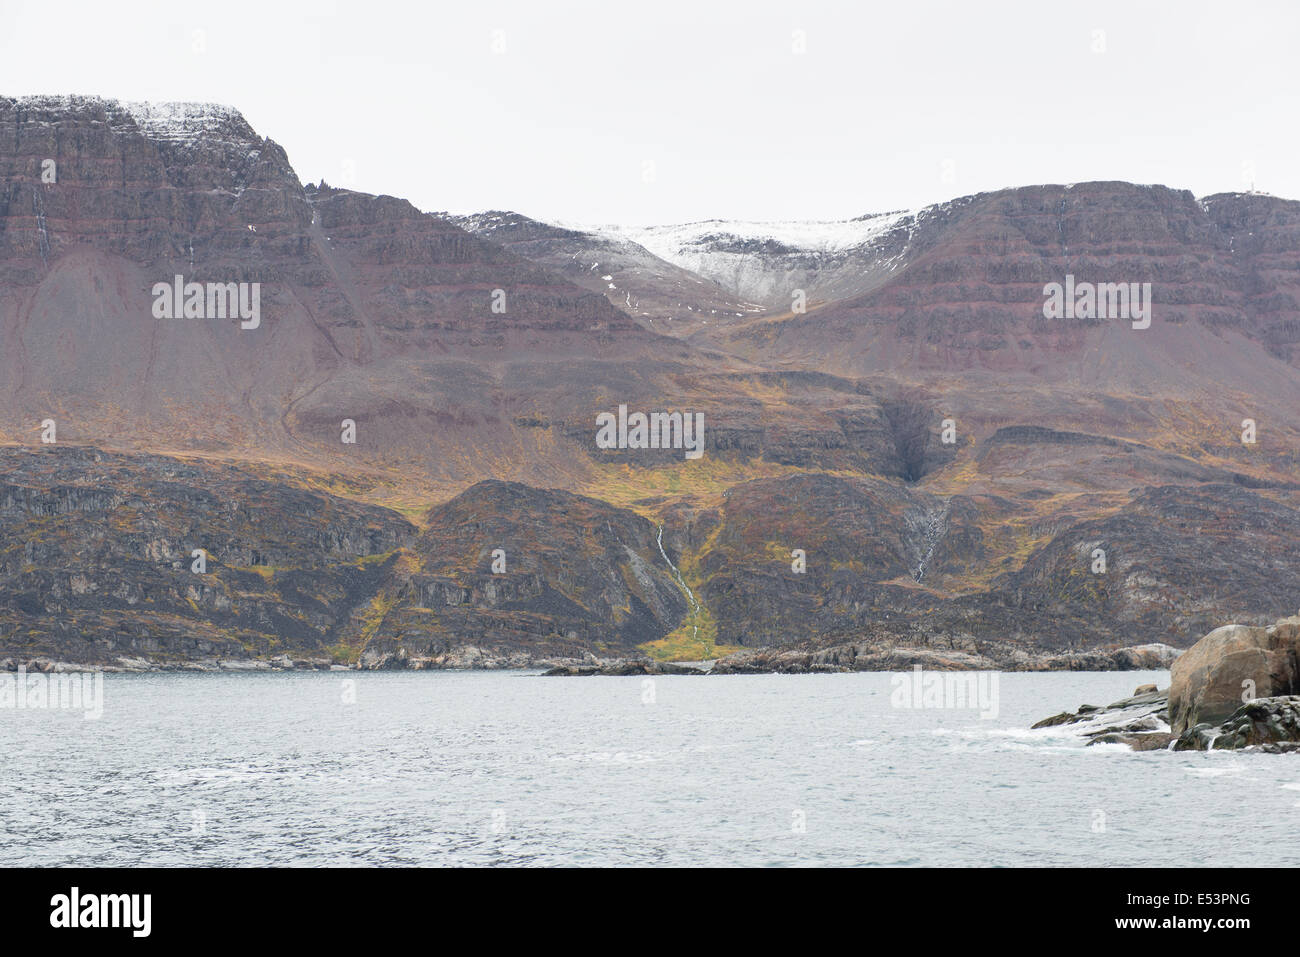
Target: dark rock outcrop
(885, 656)
(1137, 721)
(1271, 724)
(505, 567)
(622, 669)
(97, 560)
(97, 566)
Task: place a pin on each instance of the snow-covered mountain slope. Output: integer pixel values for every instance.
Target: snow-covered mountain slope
(183, 122)
(767, 262)
(171, 123)
(659, 294)
(696, 276)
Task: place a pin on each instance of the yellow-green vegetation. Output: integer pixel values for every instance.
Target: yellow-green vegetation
(341, 653)
(413, 512)
(255, 645)
(852, 565)
(955, 477)
(702, 481)
(1191, 430)
(689, 566)
(776, 551)
(375, 614)
(367, 561)
(694, 640)
(1008, 546)
(266, 571)
(406, 494)
(1080, 585)
(405, 564)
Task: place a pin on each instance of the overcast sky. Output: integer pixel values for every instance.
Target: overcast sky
(665, 111)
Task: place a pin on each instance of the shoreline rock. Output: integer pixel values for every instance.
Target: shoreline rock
(1231, 666)
(1137, 721)
(622, 669)
(1238, 688)
(840, 659)
(1269, 724)
(870, 657)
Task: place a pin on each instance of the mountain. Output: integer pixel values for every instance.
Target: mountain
(766, 262)
(968, 293)
(658, 292)
(371, 310)
(398, 461)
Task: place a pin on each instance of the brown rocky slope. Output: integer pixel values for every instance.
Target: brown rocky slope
(946, 460)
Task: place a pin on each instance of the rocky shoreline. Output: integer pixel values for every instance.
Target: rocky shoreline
(837, 659)
(1238, 688)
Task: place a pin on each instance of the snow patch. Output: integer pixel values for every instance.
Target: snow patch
(680, 243)
(181, 123)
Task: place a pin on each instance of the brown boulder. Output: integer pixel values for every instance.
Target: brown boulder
(1231, 666)
(1145, 657)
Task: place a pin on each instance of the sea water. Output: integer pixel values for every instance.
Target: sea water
(510, 768)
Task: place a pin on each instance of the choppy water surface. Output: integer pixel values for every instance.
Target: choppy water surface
(510, 768)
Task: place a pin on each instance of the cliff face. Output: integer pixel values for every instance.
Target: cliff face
(902, 564)
(369, 309)
(142, 183)
(98, 560)
(966, 291)
(419, 392)
(504, 569)
(99, 564)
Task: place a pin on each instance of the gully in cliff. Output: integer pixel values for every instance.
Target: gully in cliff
(214, 300)
(658, 430)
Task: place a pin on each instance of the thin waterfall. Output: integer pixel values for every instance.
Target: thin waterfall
(681, 581)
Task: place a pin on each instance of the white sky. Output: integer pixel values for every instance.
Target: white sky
(893, 105)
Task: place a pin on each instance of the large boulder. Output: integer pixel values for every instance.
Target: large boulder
(1145, 657)
(1231, 666)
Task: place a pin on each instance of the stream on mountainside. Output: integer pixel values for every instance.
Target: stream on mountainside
(695, 605)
